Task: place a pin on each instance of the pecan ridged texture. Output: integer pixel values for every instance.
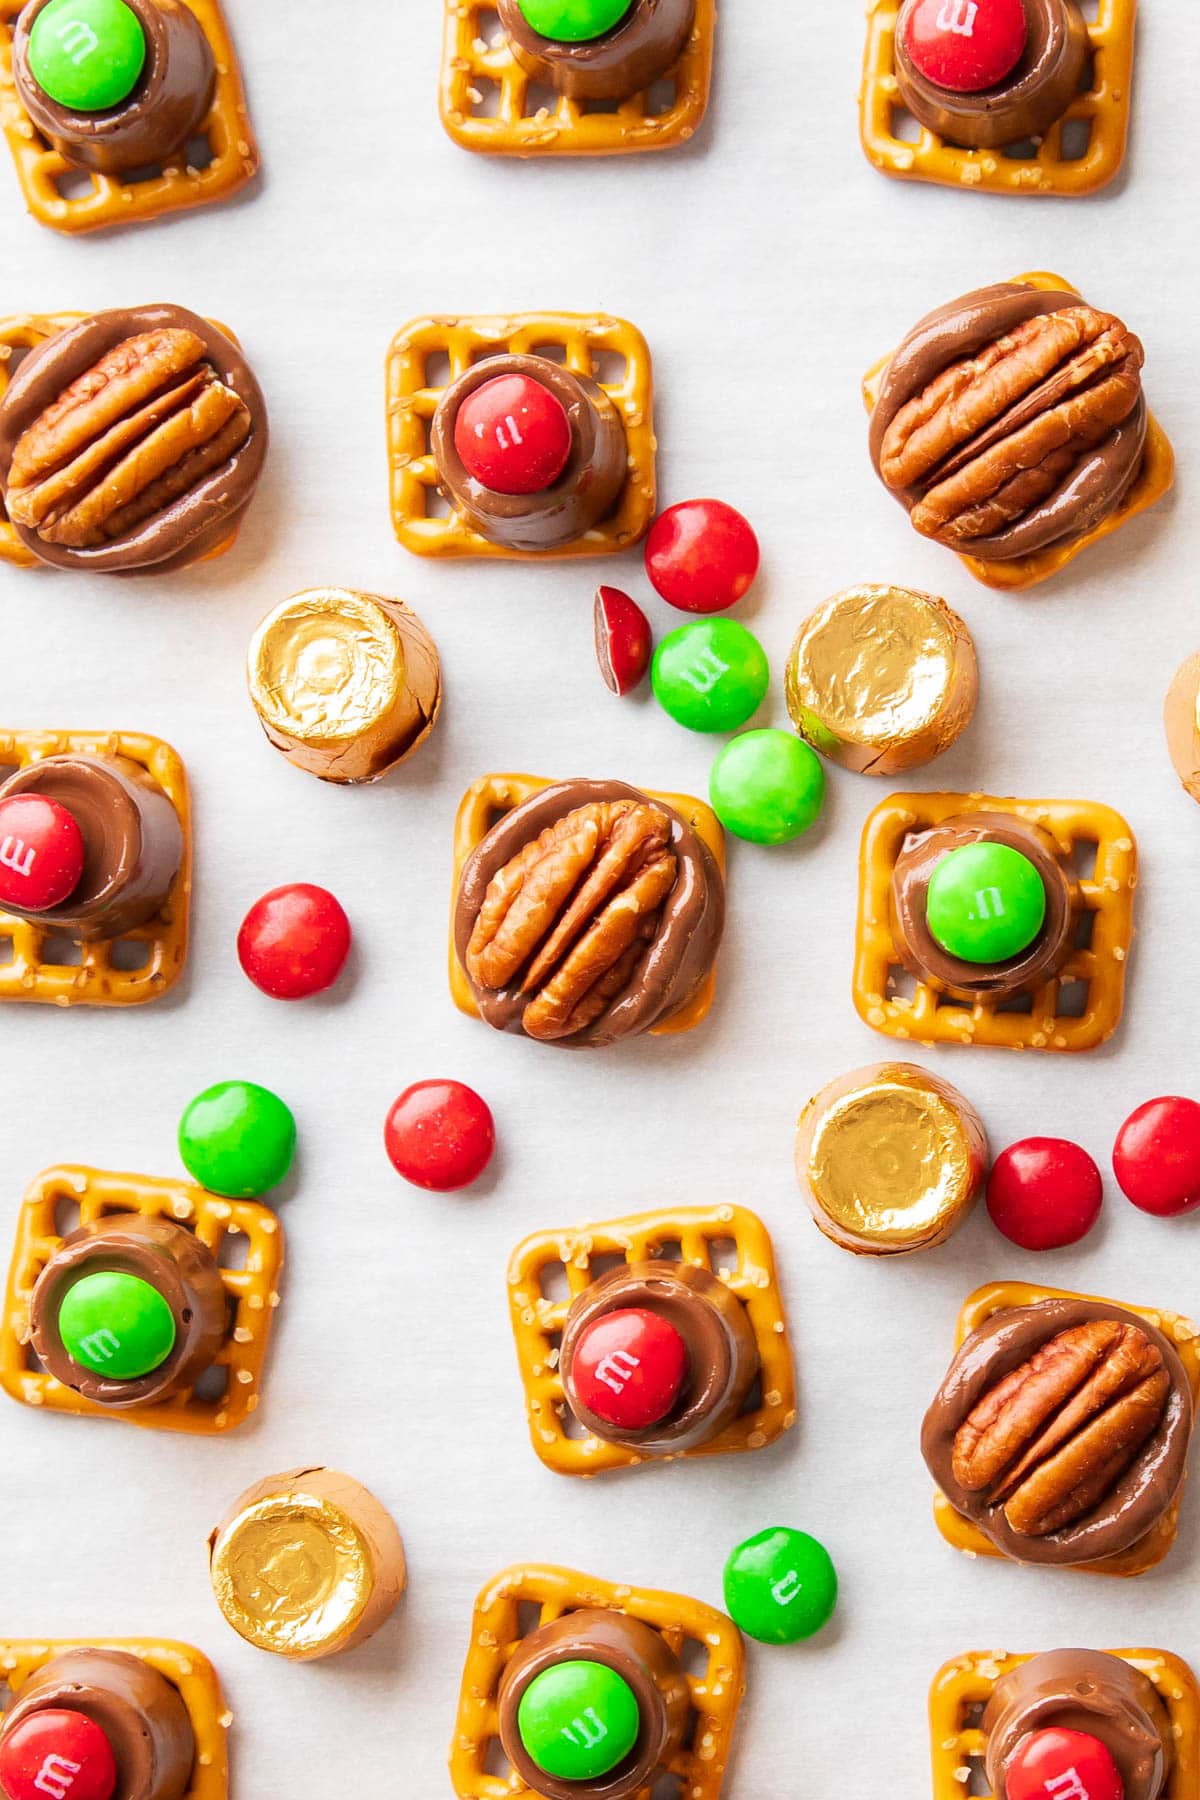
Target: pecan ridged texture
(1051, 1439)
(569, 917)
(129, 436)
(994, 435)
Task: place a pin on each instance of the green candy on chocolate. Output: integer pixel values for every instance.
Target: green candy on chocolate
(237, 1139)
(767, 786)
(710, 675)
(578, 1720)
(87, 55)
(985, 903)
(780, 1586)
(117, 1325)
(573, 21)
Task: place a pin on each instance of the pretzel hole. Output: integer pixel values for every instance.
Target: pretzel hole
(33, 1362)
(6, 951)
(1075, 138)
(62, 952)
(529, 1617)
(906, 128)
(609, 368)
(754, 1399)
(436, 504)
(571, 1427)
(553, 1282)
(1072, 999)
(661, 96)
(693, 1656)
(1023, 150)
(212, 1385)
(129, 955)
(669, 1250)
(66, 1216)
(489, 29)
(667, 1787)
(139, 177)
(902, 985)
(723, 1256)
(605, 1264)
(233, 1251)
(1090, 10)
(199, 153)
(495, 1763)
(1082, 860)
(541, 101)
(1087, 75)
(952, 1002)
(74, 184)
(485, 97)
(555, 353)
(435, 369)
(592, 107)
(1016, 1003)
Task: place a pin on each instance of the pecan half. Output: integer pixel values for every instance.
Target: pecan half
(129, 436)
(1052, 1438)
(568, 918)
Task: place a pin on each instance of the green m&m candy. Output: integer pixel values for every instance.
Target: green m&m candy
(117, 1325)
(780, 1586)
(710, 675)
(573, 21)
(767, 786)
(985, 903)
(578, 1720)
(237, 1139)
(87, 54)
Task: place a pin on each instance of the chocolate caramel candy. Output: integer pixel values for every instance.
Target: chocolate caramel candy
(133, 440)
(626, 929)
(585, 492)
(623, 61)
(1181, 719)
(926, 959)
(1025, 103)
(719, 1364)
(132, 841)
(148, 125)
(1061, 1430)
(1088, 1691)
(139, 1711)
(307, 1564)
(1011, 420)
(166, 1287)
(346, 685)
(640, 1659)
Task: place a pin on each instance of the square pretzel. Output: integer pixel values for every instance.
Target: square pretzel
(486, 802)
(50, 183)
(252, 1291)
(998, 1296)
(475, 67)
(1096, 963)
(1039, 166)
(498, 1629)
(31, 972)
(538, 1322)
(962, 1688)
(1153, 480)
(412, 400)
(187, 1669)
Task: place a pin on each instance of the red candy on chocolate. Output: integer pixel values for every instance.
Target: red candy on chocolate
(623, 644)
(1043, 1193)
(513, 435)
(1057, 1764)
(1156, 1158)
(41, 853)
(294, 941)
(701, 555)
(629, 1367)
(440, 1135)
(57, 1752)
(965, 46)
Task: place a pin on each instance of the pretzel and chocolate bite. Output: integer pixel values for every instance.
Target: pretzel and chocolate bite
(1061, 1430)
(588, 914)
(623, 58)
(132, 440)
(1080, 1691)
(145, 1734)
(1023, 103)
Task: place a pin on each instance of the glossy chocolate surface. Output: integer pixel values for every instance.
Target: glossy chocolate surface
(1026, 103)
(1082, 1690)
(629, 58)
(139, 1711)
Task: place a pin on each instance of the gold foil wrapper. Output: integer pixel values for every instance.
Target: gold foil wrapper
(890, 1159)
(1181, 718)
(307, 1564)
(881, 679)
(346, 684)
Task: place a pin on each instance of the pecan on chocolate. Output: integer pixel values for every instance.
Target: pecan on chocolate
(1052, 1438)
(569, 917)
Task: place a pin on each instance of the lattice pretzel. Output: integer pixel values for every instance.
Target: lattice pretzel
(412, 401)
(538, 1323)
(485, 803)
(1103, 107)
(497, 1633)
(98, 980)
(473, 64)
(999, 1296)
(962, 1688)
(1153, 481)
(117, 199)
(186, 1668)
(252, 1291)
(929, 1017)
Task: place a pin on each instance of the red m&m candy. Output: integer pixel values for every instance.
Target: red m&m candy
(965, 46)
(1057, 1764)
(1156, 1158)
(294, 941)
(629, 1367)
(701, 555)
(440, 1135)
(1043, 1193)
(513, 435)
(58, 1753)
(41, 853)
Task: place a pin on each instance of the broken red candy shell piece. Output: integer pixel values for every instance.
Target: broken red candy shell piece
(622, 640)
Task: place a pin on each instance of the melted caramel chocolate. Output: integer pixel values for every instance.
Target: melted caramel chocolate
(1026, 103)
(624, 61)
(139, 1711)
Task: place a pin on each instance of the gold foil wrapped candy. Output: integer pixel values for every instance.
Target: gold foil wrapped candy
(346, 684)
(881, 679)
(890, 1159)
(307, 1564)
(1181, 717)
